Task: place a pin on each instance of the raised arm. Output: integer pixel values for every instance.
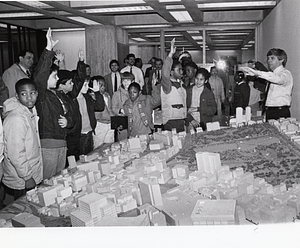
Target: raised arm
(42, 70)
(166, 69)
(80, 75)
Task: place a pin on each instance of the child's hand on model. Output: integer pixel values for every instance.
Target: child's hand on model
(50, 42)
(195, 123)
(30, 183)
(62, 121)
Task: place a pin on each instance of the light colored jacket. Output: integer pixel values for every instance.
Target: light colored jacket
(12, 75)
(22, 149)
(118, 100)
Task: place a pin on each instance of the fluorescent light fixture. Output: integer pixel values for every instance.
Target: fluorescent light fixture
(3, 25)
(251, 42)
(36, 4)
(224, 34)
(193, 32)
(236, 4)
(248, 45)
(67, 29)
(166, 1)
(148, 26)
(200, 42)
(24, 14)
(166, 35)
(197, 37)
(138, 39)
(181, 16)
(175, 7)
(244, 48)
(83, 20)
(218, 41)
(226, 44)
(118, 9)
(231, 23)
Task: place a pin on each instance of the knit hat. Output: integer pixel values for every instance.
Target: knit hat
(64, 75)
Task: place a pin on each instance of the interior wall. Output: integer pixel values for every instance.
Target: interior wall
(281, 29)
(69, 43)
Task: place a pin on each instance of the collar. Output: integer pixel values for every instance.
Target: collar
(177, 83)
(278, 69)
(23, 68)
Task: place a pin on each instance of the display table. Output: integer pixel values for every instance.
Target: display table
(259, 150)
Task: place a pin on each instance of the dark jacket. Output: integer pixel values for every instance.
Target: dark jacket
(94, 105)
(207, 108)
(48, 105)
(241, 96)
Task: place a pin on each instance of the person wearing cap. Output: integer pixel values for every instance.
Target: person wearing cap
(55, 115)
(137, 72)
(67, 88)
(241, 92)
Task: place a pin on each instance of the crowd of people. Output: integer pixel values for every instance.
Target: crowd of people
(50, 113)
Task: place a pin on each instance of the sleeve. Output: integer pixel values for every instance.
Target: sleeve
(283, 78)
(1, 146)
(115, 103)
(78, 79)
(15, 145)
(155, 98)
(42, 71)
(245, 96)
(99, 104)
(3, 92)
(8, 79)
(165, 81)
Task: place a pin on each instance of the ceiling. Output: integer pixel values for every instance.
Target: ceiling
(228, 24)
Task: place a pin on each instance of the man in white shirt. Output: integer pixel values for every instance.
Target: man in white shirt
(113, 79)
(18, 71)
(279, 90)
(137, 72)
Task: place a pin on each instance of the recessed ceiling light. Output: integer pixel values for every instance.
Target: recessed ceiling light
(236, 4)
(197, 37)
(148, 26)
(24, 14)
(181, 16)
(83, 20)
(119, 9)
(175, 7)
(138, 39)
(224, 34)
(231, 23)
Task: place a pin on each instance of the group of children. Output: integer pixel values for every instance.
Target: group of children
(62, 113)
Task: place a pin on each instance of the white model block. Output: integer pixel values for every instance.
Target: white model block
(135, 143)
(156, 145)
(199, 130)
(164, 137)
(161, 165)
(79, 218)
(109, 209)
(150, 192)
(248, 114)
(225, 175)
(180, 170)
(165, 176)
(71, 161)
(210, 211)
(92, 165)
(239, 115)
(238, 172)
(294, 202)
(198, 183)
(150, 168)
(129, 205)
(78, 182)
(64, 192)
(209, 126)
(105, 168)
(26, 220)
(47, 195)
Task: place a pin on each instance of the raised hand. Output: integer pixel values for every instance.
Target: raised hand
(50, 42)
(173, 47)
(249, 71)
(81, 55)
(96, 86)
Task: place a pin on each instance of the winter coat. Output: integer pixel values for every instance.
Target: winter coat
(22, 150)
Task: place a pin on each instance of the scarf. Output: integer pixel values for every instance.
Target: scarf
(141, 112)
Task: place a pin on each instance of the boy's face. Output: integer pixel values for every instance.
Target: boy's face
(214, 72)
(52, 80)
(114, 67)
(190, 72)
(273, 62)
(88, 71)
(158, 65)
(126, 82)
(68, 86)
(27, 95)
(133, 93)
(199, 80)
(177, 72)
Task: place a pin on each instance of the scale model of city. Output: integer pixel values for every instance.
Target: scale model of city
(248, 173)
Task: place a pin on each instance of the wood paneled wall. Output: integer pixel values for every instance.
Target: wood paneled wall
(101, 46)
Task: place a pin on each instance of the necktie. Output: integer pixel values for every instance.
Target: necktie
(131, 69)
(116, 82)
(265, 100)
(28, 73)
